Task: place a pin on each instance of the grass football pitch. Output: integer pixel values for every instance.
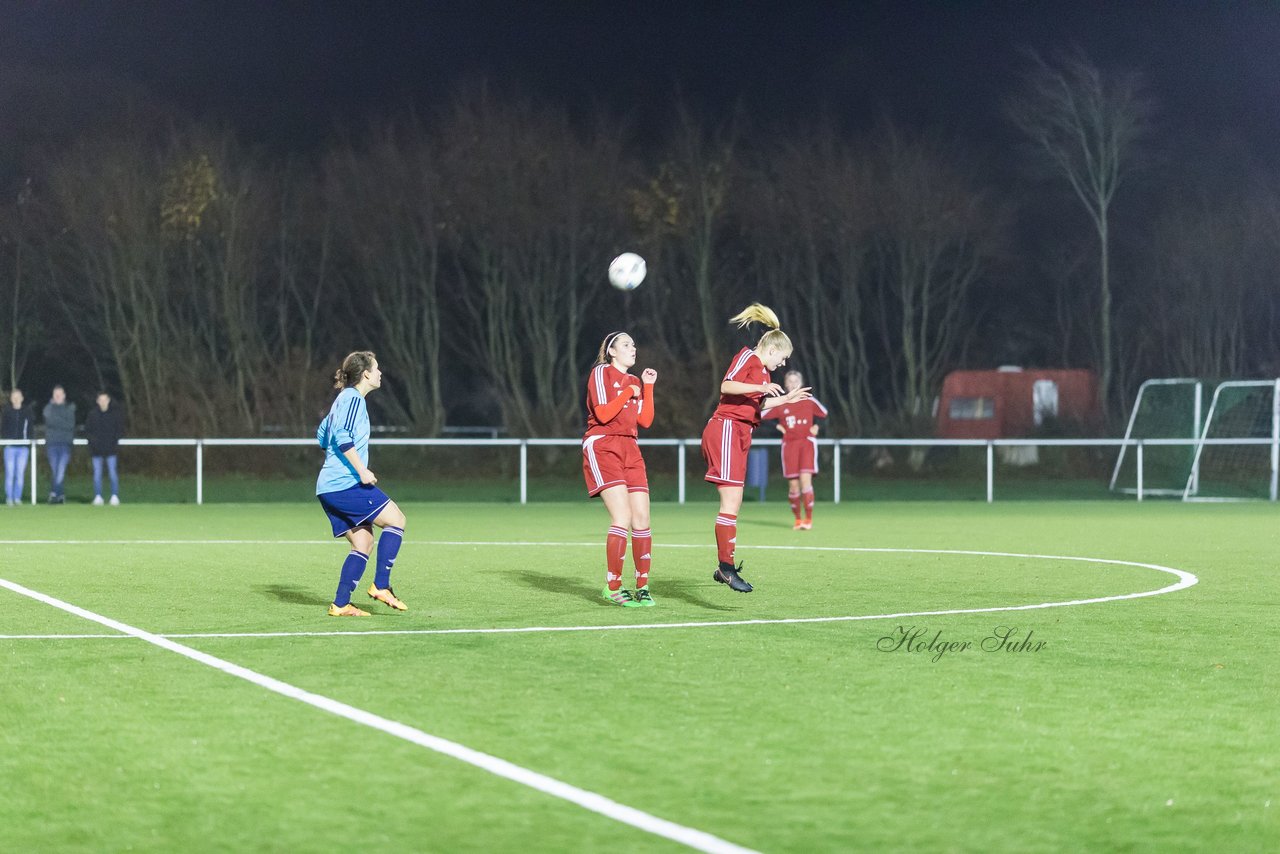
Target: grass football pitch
(218, 708)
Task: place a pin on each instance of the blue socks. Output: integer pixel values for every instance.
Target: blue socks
(388, 548)
(352, 569)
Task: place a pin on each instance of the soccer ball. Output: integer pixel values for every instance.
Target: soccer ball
(627, 271)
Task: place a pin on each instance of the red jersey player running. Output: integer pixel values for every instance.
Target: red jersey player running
(745, 391)
(611, 463)
(798, 424)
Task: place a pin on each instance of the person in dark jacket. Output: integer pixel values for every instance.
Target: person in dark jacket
(104, 428)
(15, 423)
(59, 434)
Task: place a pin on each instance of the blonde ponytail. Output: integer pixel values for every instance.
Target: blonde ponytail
(765, 316)
(756, 313)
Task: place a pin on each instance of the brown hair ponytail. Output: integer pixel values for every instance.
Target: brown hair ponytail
(353, 368)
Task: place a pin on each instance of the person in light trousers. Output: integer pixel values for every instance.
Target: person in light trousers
(15, 423)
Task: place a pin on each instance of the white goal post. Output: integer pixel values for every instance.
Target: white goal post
(1154, 421)
(1244, 441)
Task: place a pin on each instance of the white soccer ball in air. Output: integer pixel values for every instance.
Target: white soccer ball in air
(627, 271)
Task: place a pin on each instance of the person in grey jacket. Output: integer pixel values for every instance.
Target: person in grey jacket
(59, 434)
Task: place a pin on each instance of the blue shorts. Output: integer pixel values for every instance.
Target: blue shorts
(353, 508)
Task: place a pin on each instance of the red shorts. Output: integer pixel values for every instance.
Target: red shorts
(799, 457)
(612, 461)
(725, 443)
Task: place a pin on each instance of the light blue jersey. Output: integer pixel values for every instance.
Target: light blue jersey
(346, 426)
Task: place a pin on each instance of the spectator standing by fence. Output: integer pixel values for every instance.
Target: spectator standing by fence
(59, 434)
(105, 428)
(15, 423)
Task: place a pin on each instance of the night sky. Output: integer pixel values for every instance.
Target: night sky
(287, 73)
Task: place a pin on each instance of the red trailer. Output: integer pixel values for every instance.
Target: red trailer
(1013, 402)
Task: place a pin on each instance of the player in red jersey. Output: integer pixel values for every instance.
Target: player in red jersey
(797, 422)
(617, 403)
(744, 393)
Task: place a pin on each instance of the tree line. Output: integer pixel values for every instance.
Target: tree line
(214, 286)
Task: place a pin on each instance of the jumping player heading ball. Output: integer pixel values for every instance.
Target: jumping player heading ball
(745, 391)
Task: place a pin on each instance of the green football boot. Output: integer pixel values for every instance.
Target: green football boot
(622, 596)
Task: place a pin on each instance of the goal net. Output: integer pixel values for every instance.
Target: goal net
(1236, 457)
(1164, 409)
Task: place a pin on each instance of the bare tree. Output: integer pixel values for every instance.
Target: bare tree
(1212, 262)
(17, 285)
(220, 259)
(531, 211)
(110, 269)
(158, 254)
(935, 234)
(1086, 125)
(303, 285)
(683, 211)
(1064, 275)
(807, 215)
(387, 199)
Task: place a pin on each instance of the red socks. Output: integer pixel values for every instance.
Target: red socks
(807, 496)
(641, 544)
(726, 536)
(615, 550)
(793, 498)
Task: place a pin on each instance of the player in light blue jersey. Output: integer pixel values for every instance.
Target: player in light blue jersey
(348, 490)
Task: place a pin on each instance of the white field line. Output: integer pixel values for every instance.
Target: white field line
(688, 836)
(1185, 580)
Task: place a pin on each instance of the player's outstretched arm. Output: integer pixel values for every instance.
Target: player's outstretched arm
(789, 397)
(735, 387)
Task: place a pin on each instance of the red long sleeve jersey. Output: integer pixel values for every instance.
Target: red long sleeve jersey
(746, 367)
(797, 417)
(605, 384)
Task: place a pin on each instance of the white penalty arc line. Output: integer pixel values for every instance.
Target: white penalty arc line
(696, 839)
(1185, 580)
